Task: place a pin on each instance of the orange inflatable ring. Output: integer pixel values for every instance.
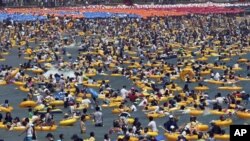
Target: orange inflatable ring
(185, 72)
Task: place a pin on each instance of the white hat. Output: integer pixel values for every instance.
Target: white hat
(242, 92)
(171, 116)
(212, 121)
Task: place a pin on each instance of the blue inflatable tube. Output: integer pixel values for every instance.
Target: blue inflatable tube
(93, 92)
(160, 138)
(60, 96)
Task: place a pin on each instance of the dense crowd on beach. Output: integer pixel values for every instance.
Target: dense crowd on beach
(156, 54)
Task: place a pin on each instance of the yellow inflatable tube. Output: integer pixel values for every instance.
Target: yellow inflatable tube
(202, 127)
(113, 104)
(130, 138)
(201, 88)
(156, 115)
(71, 90)
(28, 58)
(117, 99)
(230, 88)
(22, 88)
(5, 53)
(19, 83)
(52, 111)
(196, 112)
(41, 61)
(56, 103)
(130, 120)
(164, 99)
(82, 107)
(92, 85)
(90, 74)
(3, 82)
(152, 134)
(237, 69)
(146, 88)
(174, 136)
(2, 59)
(225, 59)
(6, 109)
(242, 60)
(243, 79)
(177, 88)
(187, 71)
(88, 117)
(116, 74)
(46, 128)
(155, 76)
(37, 71)
(68, 122)
(243, 115)
(224, 123)
(214, 82)
(101, 96)
(87, 95)
(216, 112)
(219, 67)
(19, 128)
(118, 111)
(207, 72)
(14, 72)
(183, 103)
(172, 109)
(98, 81)
(28, 103)
(202, 59)
(222, 137)
(39, 107)
(37, 128)
(152, 108)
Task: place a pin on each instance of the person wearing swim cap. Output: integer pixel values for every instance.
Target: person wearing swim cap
(171, 122)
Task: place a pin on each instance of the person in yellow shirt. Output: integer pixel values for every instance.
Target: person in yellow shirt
(92, 137)
(82, 124)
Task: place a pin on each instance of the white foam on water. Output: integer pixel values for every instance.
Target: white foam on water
(206, 111)
(53, 71)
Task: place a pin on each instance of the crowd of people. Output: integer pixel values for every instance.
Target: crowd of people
(42, 3)
(152, 53)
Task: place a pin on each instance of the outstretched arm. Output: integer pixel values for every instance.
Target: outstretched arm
(163, 128)
(24, 131)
